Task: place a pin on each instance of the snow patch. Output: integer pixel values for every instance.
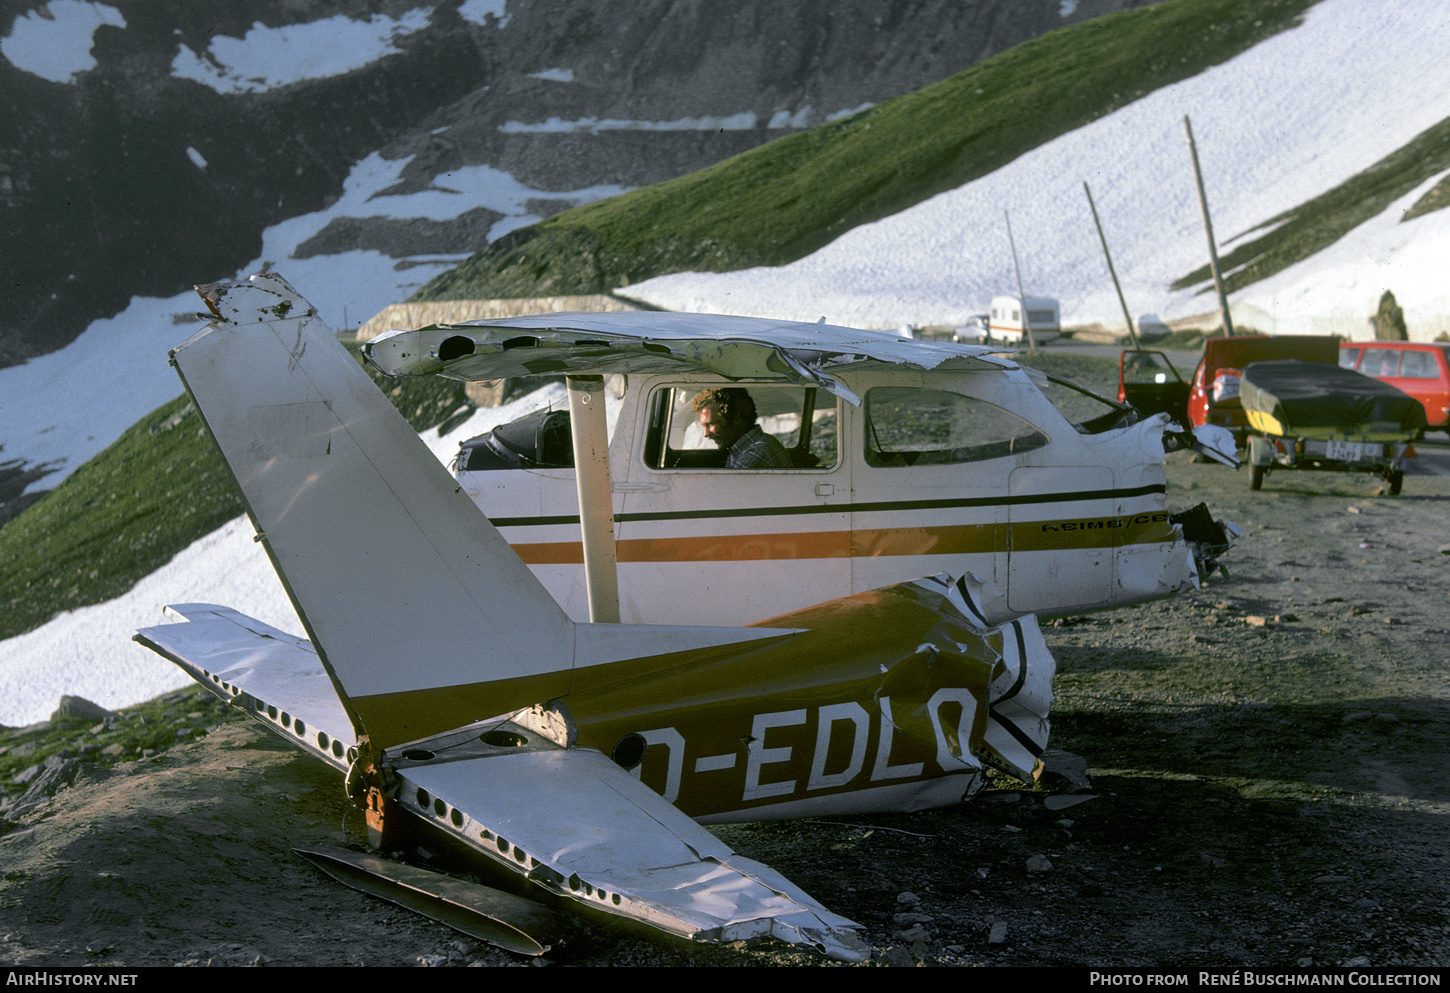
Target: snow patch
(267, 57)
(785, 119)
(55, 41)
(479, 12)
(743, 121)
(841, 115)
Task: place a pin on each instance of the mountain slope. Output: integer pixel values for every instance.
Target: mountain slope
(98, 536)
(1313, 162)
(782, 201)
(365, 147)
(1309, 227)
(146, 147)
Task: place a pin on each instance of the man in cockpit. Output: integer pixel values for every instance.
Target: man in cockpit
(727, 416)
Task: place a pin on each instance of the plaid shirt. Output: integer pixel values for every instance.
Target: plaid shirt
(757, 450)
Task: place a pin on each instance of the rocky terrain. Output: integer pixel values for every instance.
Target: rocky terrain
(1261, 783)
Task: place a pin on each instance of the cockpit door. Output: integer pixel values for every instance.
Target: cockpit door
(1064, 529)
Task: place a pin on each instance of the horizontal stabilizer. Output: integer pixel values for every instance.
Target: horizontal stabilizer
(275, 677)
(622, 848)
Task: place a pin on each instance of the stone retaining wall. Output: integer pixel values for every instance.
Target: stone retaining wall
(411, 316)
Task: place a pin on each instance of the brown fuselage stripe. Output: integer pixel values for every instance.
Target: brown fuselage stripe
(1033, 536)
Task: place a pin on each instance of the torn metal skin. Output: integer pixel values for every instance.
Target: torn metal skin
(585, 756)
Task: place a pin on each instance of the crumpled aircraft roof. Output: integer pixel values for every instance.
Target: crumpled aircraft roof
(642, 342)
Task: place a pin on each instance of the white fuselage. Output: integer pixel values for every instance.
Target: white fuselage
(941, 471)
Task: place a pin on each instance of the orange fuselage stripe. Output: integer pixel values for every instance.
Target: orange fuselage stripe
(1036, 536)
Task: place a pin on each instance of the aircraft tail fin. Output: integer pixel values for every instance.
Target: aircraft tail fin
(403, 586)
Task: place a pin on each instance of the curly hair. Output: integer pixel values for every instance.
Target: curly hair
(733, 403)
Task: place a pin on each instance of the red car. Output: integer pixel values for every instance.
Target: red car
(1421, 369)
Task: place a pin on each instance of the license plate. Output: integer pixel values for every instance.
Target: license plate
(1351, 451)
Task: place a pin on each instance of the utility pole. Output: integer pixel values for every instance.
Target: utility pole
(1228, 324)
(1021, 296)
(1111, 271)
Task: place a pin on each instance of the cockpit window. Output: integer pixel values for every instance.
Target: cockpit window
(1083, 409)
(910, 427)
(801, 419)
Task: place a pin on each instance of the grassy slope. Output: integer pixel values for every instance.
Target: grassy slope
(151, 726)
(117, 518)
(786, 199)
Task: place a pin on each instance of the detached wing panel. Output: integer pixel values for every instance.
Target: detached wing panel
(621, 848)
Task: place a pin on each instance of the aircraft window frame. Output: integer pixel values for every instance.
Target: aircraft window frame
(670, 419)
(1072, 399)
(969, 418)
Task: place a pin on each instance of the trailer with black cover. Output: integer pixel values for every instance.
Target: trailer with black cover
(1312, 415)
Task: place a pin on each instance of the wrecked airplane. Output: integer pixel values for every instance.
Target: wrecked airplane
(585, 755)
(905, 458)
